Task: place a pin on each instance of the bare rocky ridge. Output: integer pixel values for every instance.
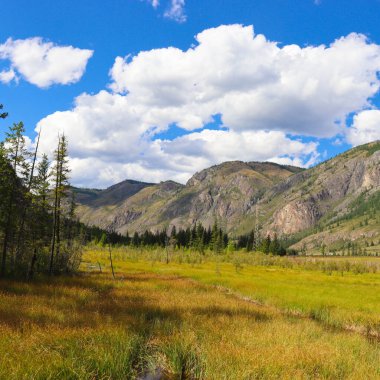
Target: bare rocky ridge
(325, 189)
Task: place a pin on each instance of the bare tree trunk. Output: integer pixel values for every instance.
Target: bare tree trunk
(52, 246)
(58, 244)
(32, 264)
(6, 237)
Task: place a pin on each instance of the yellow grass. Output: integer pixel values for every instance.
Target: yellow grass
(93, 327)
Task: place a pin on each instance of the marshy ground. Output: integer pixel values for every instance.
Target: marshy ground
(199, 320)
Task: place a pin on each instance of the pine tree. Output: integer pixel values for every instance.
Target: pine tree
(29, 195)
(14, 150)
(274, 247)
(250, 241)
(8, 177)
(41, 183)
(265, 245)
(200, 237)
(60, 172)
(3, 115)
(217, 239)
(41, 204)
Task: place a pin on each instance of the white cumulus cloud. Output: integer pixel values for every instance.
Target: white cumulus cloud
(252, 82)
(109, 141)
(365, 128)
(265, 94)
(43, 63)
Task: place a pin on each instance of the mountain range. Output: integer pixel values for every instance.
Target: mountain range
(331, 204)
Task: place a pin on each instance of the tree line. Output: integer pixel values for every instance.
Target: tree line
(38, 231)
(197, 238)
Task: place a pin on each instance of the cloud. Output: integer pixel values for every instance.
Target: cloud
(252, 82)
(365, 128)
(155, 3)
(7, 76)
(265, 95)
(43, 63)
(215, 146)
(109, 142)
(176, 11)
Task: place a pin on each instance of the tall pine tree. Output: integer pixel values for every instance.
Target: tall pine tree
(61, 174)
(15, 152)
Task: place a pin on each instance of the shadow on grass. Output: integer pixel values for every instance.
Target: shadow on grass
(216, 311)
(79, 302)
(94, 300)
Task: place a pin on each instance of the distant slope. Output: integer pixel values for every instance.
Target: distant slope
(291, 201)
(132, 200)
(326, 193)
(224, 192)
(110, 196)
(360, 225)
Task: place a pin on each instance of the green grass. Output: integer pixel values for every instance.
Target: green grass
(174, 320)
(341, 292)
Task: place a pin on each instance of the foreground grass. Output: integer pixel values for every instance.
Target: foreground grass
(150, 320)
(321, 289)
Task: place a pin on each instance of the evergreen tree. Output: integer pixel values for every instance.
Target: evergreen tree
(8, 177)
(250, 245)
(42, 183)
(274, 247)
(136, 239)
(200, 237)
(217, 239)
(14, 151)
(60, 172)
(29, 196)
(3, 115)
(42, 206)
(265, 245)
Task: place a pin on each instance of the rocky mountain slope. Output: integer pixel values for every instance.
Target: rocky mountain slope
(224, 192)
(290, 201)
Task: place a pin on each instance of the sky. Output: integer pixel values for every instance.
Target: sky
(159, 89)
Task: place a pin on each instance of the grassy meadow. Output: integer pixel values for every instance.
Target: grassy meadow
(238, 316)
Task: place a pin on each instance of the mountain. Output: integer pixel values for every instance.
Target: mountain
(290, 201)
(223, 192)
(127, 206)
(113, 195)
(335, 202)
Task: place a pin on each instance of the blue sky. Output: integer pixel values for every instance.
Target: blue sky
(105, 30)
